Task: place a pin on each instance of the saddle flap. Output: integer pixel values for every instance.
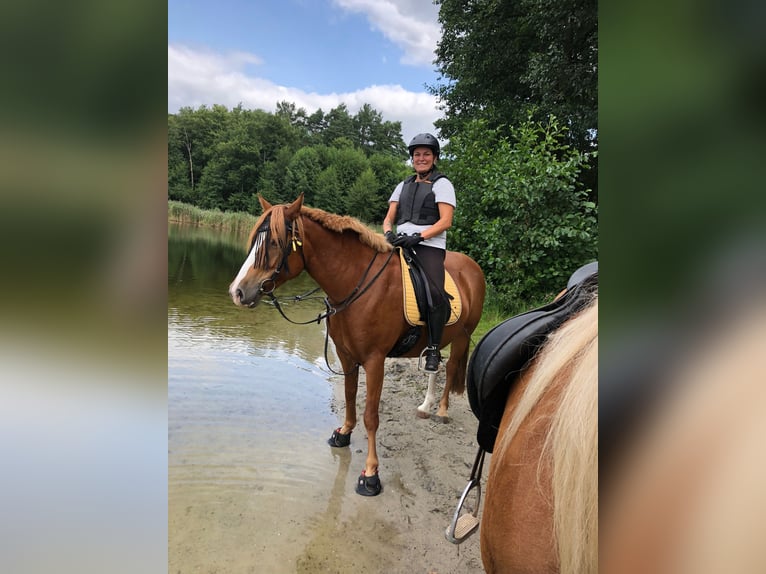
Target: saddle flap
(503, 353)
(414, 294)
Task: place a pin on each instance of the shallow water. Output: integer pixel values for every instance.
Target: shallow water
(250, 403)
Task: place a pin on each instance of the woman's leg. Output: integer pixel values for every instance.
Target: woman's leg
(432, 260)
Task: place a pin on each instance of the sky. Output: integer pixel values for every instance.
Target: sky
(313, 53)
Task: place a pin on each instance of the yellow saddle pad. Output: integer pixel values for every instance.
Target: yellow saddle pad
(411, 312)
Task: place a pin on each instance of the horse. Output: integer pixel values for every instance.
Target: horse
(355, 268)
(541, 507)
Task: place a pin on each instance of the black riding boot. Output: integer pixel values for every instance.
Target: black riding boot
(435, 319)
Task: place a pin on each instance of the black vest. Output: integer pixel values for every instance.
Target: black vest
(417, 202)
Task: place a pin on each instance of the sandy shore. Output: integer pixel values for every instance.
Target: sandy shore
(424, 467)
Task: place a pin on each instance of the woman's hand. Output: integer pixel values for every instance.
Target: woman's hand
(408, 240)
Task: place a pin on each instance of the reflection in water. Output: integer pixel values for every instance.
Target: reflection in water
(249, 410)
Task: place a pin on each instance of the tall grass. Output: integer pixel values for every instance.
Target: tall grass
(493, 313)
(239, 222)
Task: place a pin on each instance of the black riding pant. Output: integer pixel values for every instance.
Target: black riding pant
(432, 261)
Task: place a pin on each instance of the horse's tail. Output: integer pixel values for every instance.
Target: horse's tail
(573, 444)
(571, 447)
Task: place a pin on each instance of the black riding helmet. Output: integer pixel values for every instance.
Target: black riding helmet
(424, 140)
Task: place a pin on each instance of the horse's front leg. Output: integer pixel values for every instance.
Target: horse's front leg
(369, 482)
(341, 436)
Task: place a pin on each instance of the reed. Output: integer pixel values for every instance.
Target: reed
(240, 222)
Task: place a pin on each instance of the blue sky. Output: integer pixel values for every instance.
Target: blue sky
(314, 53)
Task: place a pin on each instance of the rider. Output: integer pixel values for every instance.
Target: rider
(422, 207)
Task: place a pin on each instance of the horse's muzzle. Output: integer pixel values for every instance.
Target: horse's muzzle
(243, 297)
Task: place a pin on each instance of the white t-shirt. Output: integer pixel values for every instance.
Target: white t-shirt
(444, 192)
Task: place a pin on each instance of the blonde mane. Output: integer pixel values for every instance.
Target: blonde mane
(571, 446)
(341, 223)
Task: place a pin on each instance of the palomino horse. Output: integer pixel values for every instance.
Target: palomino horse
(365, 318)
(541, 509)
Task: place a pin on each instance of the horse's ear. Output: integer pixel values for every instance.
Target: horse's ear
(294, 208)
(265, 205)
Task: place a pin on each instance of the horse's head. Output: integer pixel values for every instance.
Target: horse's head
(274, 253)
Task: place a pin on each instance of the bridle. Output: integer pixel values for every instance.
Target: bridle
(295, 243)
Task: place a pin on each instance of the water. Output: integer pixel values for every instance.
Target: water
(250, 405)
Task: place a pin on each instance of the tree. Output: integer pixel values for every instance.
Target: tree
(522, 212)
(272, 181)
(327, 194)
(193, 134)
(302, 171)
(362, 200)
(388, 171)
(500, 61)
(220, 158)
(338, 124)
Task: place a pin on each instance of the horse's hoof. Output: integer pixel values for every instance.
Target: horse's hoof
(338, 439)
(368, 485)
(421, 415)
(439, 419)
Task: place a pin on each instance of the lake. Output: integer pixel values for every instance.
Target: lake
(250, 405)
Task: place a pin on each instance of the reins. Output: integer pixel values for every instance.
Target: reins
(330, 309)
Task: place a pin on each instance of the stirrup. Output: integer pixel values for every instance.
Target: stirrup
(464, 525)
(423, 355)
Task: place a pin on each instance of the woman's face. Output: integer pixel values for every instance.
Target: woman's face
(423, 159)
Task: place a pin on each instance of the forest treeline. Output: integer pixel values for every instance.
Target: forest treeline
(220, 158)
(518, 90)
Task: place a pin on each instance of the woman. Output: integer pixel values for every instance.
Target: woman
(422, 207)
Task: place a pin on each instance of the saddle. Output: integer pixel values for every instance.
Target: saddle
(414, 289)
(504, 352)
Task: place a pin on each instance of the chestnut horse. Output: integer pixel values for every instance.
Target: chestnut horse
(541, 509)
(361, 277)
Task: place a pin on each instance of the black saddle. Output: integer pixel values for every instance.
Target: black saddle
(503, 353)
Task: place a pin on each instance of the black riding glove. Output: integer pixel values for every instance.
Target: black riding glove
(390, 237)
(408, 240)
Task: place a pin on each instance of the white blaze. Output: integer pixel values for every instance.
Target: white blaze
(247, 265)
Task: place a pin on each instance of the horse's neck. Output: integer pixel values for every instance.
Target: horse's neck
(335, 261)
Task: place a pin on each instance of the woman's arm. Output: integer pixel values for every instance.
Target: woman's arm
(388, 220)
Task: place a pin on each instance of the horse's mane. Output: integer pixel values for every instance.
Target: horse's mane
(341, 223)
(336, 223)
(571, 446)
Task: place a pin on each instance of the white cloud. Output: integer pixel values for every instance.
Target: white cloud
(201, 77)
(410, 24)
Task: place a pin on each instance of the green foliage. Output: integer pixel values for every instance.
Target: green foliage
(521, 214)
(362, 195)
(501, 60)
(327, 190)
(302, 172)
(221, 159)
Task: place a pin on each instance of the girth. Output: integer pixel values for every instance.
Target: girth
(503, 353)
